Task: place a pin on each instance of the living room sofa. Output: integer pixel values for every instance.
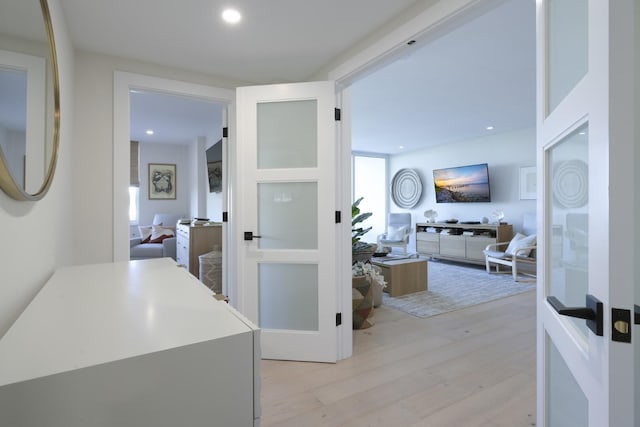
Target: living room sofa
(165, 248)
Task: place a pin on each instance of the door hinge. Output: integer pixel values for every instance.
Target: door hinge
(225, 216)
(338, 319)
(337, 114)
(225, 132)
(338, 217)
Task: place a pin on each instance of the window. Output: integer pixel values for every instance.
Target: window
(369, 181)
(133, 205)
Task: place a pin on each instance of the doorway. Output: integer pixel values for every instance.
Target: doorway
(195, 204)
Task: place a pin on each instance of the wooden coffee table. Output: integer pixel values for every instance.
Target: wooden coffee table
(403, 276)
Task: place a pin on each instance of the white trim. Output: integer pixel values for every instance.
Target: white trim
(35, 67)
(122, 83)
(343, 203)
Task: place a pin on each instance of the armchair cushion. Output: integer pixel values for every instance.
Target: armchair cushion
(520, 245)
(495, 254)
(396, 233)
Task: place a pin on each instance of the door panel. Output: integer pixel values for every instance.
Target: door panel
(569, 256)
(287, 181)
(567, 47)
(585, 150)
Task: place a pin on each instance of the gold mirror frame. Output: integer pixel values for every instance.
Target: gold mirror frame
(7, 183)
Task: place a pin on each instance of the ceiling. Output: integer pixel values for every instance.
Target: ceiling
(446, 90)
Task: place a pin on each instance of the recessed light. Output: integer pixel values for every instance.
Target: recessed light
(149, 132)
(489, 128)
(231, 16)
(401, 147)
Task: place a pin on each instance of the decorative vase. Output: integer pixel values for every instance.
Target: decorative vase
(362, 292)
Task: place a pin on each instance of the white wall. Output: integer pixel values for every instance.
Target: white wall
(504, 153)
(93, 154)
(36, 236)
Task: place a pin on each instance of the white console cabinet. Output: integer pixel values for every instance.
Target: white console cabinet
(139, 343)
(459, 242)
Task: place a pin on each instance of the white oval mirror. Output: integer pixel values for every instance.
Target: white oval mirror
(29, 99)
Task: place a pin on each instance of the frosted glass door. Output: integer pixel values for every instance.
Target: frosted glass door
(286, 138)
(585, 163)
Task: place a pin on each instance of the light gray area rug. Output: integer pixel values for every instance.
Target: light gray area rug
(452, 287)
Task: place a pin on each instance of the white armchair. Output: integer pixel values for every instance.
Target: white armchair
(398, 232)
(520, 251)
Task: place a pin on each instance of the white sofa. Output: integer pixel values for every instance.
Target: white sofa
(166, 248)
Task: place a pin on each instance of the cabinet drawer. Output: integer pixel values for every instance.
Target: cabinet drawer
(452, 246)
(475, 246)
(428, 247)
(427, 237)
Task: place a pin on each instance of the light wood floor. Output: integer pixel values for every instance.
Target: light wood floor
(470, 368)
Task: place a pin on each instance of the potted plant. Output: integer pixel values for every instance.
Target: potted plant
(366, 285)
(360, 251)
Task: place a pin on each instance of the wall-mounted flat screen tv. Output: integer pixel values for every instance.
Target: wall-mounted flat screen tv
(462, 184)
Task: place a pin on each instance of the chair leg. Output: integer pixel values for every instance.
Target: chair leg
(514, 270)
(486, 260)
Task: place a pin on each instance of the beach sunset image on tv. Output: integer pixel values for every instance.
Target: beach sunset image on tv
(462, 184)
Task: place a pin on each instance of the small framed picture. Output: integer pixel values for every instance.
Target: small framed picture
(162, 181)
(528, 186)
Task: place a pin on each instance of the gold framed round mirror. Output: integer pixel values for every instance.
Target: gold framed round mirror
(29, 99)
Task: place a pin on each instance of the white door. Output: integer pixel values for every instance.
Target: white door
(286, 178)
(586, 213)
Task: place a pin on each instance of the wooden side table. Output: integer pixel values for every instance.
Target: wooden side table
(403, 276)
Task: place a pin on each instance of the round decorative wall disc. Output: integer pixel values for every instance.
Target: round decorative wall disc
(406, 188)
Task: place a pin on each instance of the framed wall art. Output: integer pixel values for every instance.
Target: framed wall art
(528, 186)
(162, 181)
(214, 170)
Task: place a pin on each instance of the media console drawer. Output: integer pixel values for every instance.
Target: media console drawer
(452, 246)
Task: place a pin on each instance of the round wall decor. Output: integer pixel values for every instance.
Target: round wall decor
(406, 188)
(571, 184)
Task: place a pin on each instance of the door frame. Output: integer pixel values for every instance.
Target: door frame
(123, 82)
(425, 26)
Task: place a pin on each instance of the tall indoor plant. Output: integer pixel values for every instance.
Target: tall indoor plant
(360, 251)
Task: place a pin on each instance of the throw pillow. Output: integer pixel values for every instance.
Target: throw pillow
(520, 241)
(396, 232)
(145, 233)
(159, 233)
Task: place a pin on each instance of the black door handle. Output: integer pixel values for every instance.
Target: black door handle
(636, 314)
(248, 235)
(593, 312)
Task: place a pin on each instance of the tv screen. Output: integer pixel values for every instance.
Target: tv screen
(462, 184)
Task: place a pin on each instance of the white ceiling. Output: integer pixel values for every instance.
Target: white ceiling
(447, 90)
(173, 119)
(451, 89)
